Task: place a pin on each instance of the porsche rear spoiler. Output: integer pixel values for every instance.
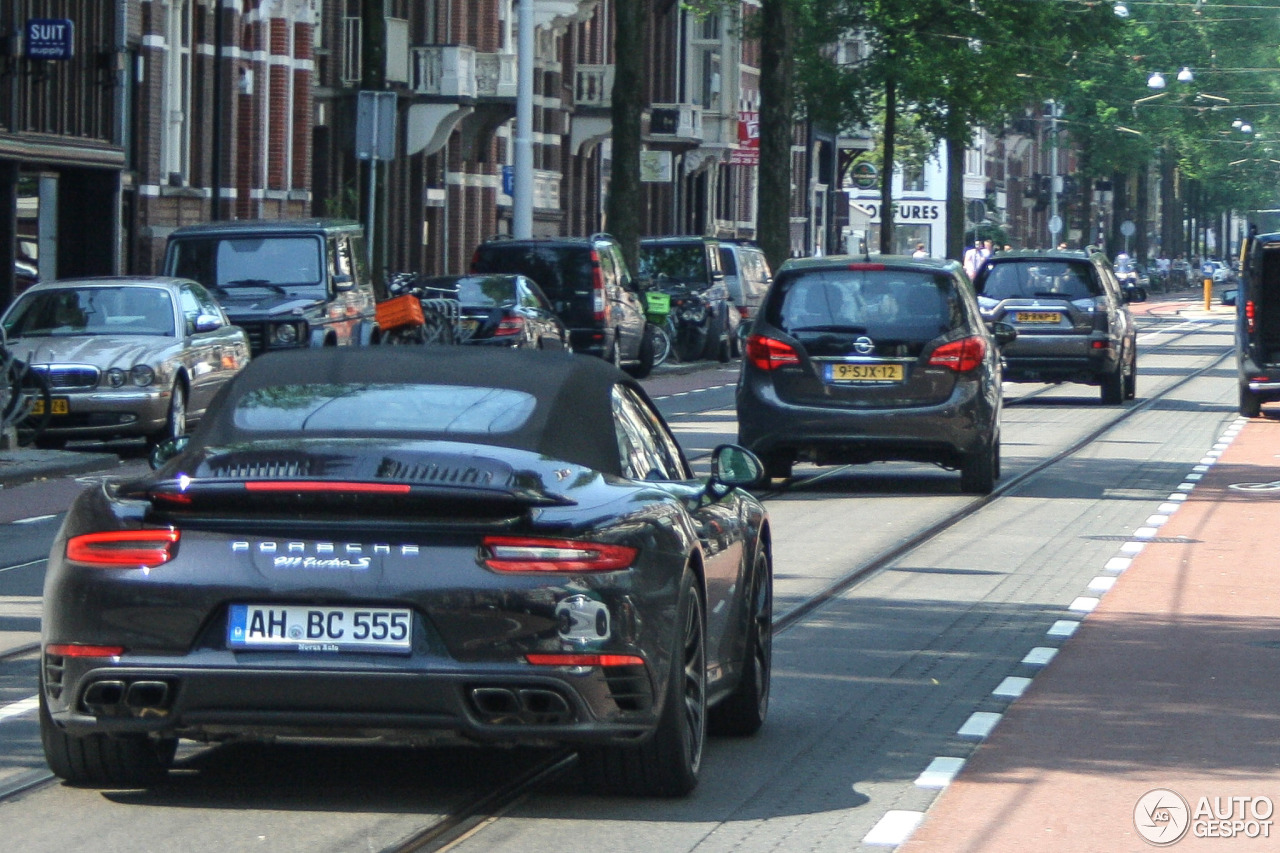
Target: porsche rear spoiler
(381, 497)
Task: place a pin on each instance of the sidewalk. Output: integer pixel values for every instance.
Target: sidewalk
(1170, 683)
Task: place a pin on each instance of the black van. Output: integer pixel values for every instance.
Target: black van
(589, 286)
(1258, 325)
(288, 283)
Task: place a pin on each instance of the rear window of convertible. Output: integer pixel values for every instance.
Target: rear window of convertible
(359, 409)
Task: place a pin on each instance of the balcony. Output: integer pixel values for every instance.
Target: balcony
(444, 71)
(675, 123)
(593, 87)
(496, 75)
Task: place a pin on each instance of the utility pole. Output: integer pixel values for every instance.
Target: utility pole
(522, 191)
(373, 76)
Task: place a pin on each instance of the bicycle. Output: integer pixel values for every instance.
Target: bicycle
(25, 402)
(658, 324)
(418, 315)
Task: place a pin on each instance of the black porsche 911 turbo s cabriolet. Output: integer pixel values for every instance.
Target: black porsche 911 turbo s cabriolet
(407, 545)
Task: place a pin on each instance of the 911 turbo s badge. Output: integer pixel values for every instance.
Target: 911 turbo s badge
(349, 556)
(581, 619)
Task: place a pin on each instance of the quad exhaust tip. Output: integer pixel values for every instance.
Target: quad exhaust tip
(521, 706)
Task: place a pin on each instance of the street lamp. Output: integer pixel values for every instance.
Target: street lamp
(1156, 80)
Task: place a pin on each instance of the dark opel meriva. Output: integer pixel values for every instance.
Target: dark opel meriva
(856, 361)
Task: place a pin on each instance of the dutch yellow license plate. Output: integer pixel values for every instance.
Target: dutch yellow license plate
(864, 373)
(57, 406)
(1039, 317)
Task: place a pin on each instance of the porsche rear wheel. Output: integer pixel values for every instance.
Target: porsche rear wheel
(665, 765)
(132, 760)
(744, 710)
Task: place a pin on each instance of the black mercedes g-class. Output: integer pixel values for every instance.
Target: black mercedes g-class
(287, 283)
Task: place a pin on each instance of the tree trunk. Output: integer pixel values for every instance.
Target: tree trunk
(777, 97)
(955, 197)
(624, 206)
(886, 168)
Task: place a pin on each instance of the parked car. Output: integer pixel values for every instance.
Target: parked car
(287, 283)
(504, 545)
(1072, 317)
(852, 361)
(503, 310)
(688, 270)
(124, 356)
(746, 275)
(590, 288)
(1257, 338)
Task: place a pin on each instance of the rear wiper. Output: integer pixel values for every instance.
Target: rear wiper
(831, 327)
(257, 282)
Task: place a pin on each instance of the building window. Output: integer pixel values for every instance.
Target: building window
(912, 178)
(176, 145)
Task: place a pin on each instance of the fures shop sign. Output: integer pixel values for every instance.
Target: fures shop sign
(911, 212)
(49, 38)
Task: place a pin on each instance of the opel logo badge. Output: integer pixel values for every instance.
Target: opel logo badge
(864, 345)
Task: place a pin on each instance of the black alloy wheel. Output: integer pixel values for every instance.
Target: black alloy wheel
(979, 469)
(667, 764)
(744, 710)
(118, 761)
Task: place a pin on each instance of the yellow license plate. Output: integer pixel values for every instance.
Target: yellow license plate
(57, 406)
(1039, 317)
(864, 372)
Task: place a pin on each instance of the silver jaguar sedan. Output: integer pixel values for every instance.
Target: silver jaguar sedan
(123, 356)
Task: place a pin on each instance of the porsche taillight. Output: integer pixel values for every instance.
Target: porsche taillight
(82, 650)
(571, 659)
(124, 549)
(769, 354)
(536, 554)
(961, 356)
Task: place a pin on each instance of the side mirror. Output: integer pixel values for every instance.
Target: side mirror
(1229, 297)
(167, 449)
(735, 467)
(208, 323)
(343, 283)
(1004, 333)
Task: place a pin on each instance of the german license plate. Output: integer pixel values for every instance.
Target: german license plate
(57, 406)
(864, 372)
(1039, 317)
(320, 629)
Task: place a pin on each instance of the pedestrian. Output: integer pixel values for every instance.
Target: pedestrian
(976, 257)
(919, 252)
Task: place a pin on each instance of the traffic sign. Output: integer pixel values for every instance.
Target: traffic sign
(1127, 228)
(376, 125)
(1055, 225)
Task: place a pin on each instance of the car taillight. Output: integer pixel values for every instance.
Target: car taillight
(961, 356)
(744, 311)
(769, 354)
(597, 287)
(1249, 314)
(535, 554)
(80, 650)
(584, 660)
(475, 259)
(137, 549)
(509, 326)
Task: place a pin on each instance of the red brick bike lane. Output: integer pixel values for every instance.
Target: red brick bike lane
(1170, 684)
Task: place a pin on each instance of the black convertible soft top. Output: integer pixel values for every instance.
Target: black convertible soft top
(572, 417)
